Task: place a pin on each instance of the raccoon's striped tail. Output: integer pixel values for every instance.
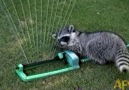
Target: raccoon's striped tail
(122, 61)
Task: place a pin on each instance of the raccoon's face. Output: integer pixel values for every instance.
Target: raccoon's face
(65, 36)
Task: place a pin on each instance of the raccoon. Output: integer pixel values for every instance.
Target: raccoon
(100, 47)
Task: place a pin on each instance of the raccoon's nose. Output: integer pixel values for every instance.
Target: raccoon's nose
(63, 43)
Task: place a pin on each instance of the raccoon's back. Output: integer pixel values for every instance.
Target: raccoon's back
(84, 38)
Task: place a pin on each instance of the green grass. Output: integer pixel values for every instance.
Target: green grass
(87, 15)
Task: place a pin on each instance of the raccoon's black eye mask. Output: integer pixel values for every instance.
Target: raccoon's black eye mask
(65, 39)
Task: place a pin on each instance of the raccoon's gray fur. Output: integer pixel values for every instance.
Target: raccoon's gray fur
(100, 47)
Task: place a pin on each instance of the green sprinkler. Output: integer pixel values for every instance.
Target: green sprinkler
(70, 58)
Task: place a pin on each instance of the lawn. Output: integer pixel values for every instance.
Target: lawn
(25, 36)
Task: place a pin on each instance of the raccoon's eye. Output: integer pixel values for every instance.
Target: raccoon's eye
(65, 39)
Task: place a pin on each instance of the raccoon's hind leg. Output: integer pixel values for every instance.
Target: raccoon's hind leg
(97, 60)
(122, 60)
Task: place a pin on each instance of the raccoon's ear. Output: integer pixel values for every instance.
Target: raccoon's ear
(71, 28)
(54, 36)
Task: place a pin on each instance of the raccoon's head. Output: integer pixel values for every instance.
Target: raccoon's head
(65, 36)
